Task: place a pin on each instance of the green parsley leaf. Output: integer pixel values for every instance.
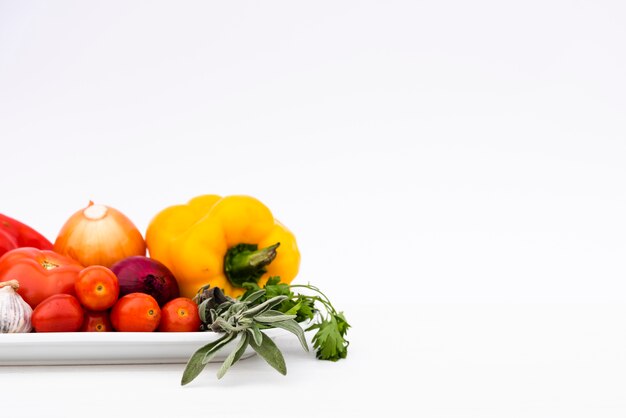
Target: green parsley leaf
(329, 339)
(274, 288)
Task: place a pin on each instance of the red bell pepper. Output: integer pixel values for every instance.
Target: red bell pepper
(7, 242)
(40, 273)
(14, 234)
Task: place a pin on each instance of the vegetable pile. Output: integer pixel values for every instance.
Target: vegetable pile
(216, 264)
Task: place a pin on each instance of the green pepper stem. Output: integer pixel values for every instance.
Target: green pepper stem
(246, 263)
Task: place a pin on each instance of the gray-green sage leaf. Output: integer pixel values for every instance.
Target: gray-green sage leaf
(270, 316)
(217, 347)
(295, 328)
(195, 365)
(235, 355)
(270, 353)
(268, 304)
(256, 334)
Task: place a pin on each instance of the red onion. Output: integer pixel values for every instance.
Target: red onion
(146, 275)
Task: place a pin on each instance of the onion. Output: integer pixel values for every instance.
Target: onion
(99, 235)
(146, 275)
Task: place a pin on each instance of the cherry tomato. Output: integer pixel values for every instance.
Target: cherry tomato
(58, 313)
(97, 288)
(97, 322)
(136, 312)
(180, 315)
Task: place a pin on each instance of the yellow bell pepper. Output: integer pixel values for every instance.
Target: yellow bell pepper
(222, 242)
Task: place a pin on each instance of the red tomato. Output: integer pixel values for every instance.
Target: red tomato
(136, 312)
(180, 315)
(97, 322)
(97, 288)
(58, 313)
(41, 273)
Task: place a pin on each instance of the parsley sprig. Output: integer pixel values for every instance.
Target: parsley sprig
(329, 340)
(275, 305)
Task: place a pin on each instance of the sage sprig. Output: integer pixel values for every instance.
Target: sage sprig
(273, 306)
(246, 319)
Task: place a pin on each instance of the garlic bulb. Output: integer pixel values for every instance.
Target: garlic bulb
(15, 314)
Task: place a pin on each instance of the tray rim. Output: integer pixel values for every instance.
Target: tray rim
(83, 348)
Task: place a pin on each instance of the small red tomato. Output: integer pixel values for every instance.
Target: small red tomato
(96, 322)
(136, 312)
(180, 315)
(58, 313)
(97, 288)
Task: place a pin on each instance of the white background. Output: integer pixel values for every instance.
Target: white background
(454, 173)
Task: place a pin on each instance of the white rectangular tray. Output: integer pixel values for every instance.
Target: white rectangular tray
(69, 348)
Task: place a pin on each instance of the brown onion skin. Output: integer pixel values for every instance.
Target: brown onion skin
(146, 275)
(99, 235)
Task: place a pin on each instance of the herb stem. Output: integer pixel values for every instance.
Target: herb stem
(324, 298)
